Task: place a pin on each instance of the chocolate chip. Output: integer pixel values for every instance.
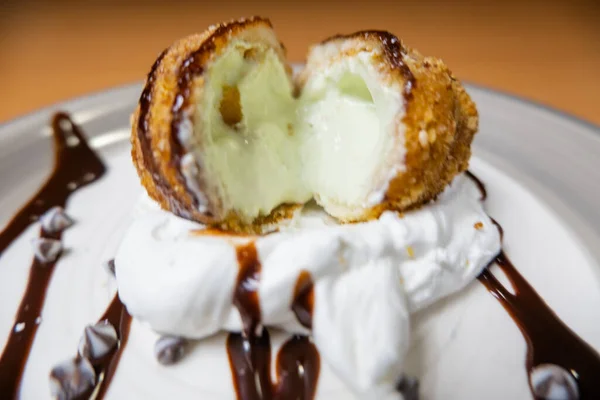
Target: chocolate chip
(551, 382)
(409, 387)
(72, 378)
(55, 220)
(46, 250)
(97, 340)
(170, 349)
(110, 267)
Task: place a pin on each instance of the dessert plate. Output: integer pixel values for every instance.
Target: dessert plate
(542, 174)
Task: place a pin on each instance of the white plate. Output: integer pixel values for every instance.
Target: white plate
(543, 177)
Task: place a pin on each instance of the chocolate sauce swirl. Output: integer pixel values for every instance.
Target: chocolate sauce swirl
(304, 299)
(249, 353)
(75, 166)
(298, 365)
(297, 368)
(245, 298)
(143, 134)
(117, 316)
(549, 340)
(479, 185)
(250, 362)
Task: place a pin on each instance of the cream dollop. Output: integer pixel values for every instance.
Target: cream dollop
(368, 278)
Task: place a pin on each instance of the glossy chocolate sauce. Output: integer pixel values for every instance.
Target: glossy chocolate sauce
(297, 368)
(245, 297)
(395, 53)
(117, 316)
(479, 184)
(297, 363)
(304, 299)
(75, 165)
(549, 340)
(250, 363)
(143, 136)
(143, 116)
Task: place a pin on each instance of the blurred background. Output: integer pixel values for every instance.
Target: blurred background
(547, 51)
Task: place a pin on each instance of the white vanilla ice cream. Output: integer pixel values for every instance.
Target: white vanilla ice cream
(368, 277)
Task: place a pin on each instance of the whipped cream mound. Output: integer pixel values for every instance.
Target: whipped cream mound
(368, 278)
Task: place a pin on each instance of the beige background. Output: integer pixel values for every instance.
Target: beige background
(543, 50)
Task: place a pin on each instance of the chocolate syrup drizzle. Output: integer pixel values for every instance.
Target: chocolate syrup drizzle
(549, 340)
(480, 185)
(245, 298)
(297, 368)
(75, 165)
(117, 316)
(304, 299)
(143, 134)
(298, 361)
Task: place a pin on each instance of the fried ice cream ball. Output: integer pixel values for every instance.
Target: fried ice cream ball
(224, 136)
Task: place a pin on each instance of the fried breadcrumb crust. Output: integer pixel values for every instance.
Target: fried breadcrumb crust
(436, 103)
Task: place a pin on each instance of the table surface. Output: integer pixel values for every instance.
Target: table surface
(545, 51)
